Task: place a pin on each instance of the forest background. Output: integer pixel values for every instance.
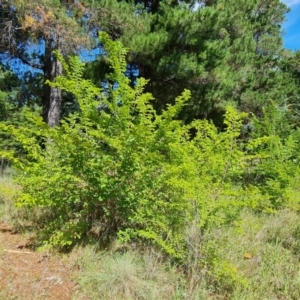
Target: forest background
(186, 122)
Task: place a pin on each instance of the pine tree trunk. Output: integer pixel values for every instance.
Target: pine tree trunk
(52, 96)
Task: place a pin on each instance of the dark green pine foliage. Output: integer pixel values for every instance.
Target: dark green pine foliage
(4, 106)
(259, 77)
(290, 65)
(223, 51)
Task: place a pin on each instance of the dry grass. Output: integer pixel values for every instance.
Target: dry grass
(8, 195)
(19, 218)
(264, 251)
(129, 275)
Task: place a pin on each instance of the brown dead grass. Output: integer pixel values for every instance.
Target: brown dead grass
(25, 274)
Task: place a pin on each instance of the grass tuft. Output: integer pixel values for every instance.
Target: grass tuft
(129, 275)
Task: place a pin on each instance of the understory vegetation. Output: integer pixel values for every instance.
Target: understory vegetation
(256, 257)
(158, 208)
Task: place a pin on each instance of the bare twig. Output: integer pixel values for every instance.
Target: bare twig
(18, 252)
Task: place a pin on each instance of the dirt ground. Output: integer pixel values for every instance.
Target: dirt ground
(29, 275)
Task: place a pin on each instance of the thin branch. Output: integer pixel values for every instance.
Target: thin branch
(18, 252)
(25, 61)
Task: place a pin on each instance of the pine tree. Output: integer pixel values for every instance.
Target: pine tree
(58, 25)
(223, 51)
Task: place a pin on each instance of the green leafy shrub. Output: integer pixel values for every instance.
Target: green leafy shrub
(276, 173)
(116, 167)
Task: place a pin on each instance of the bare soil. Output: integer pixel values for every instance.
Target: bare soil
(29, 275)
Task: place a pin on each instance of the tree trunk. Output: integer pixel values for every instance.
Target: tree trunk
(52, 96)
